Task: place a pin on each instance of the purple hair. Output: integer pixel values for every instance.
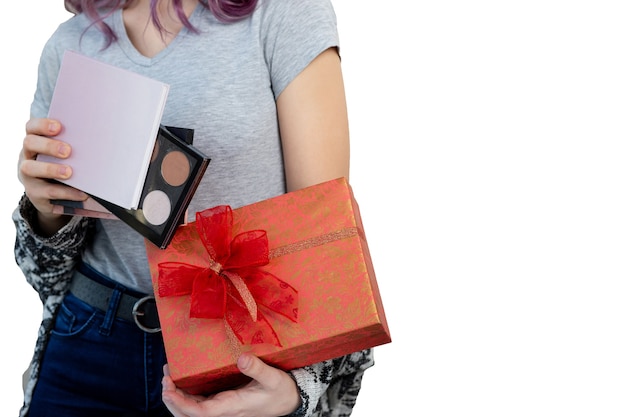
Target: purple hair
(224, 10)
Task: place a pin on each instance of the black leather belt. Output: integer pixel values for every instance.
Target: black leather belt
(141, 310)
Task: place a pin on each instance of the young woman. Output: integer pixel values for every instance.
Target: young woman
(260, 83)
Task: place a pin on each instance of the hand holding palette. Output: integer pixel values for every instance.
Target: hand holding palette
(175, 171)
(90, 207)
(133, 168)
(110, 117)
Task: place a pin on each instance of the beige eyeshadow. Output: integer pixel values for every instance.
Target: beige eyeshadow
(156, 207)
(175, 168)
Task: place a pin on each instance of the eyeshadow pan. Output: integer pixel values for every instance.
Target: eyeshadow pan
(175, 168)
(156, 207)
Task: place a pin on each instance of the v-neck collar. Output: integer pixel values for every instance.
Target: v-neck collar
(137, 57)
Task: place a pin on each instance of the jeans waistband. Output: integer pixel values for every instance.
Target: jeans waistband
(104, 294)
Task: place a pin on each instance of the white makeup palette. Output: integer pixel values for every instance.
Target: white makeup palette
(175, 170)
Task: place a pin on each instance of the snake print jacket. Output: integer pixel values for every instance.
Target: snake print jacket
(328, 388)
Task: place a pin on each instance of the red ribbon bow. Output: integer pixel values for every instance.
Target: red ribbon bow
(233, 285)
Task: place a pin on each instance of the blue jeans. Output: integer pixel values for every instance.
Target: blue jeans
(94, 366)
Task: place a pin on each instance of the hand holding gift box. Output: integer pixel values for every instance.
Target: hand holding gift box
(289, 279)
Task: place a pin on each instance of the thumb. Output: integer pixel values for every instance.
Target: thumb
(280, 389)
(255, 368)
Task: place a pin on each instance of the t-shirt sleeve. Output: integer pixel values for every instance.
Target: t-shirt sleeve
(295, 33)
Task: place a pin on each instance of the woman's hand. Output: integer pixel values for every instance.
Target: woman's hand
(271, 393)
(36, 175)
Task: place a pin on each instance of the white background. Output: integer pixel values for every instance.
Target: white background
(488, 161)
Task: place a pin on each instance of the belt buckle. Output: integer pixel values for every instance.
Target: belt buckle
(138, 313)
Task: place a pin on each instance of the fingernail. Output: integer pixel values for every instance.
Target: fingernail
(64, 172)
(244, 361)
(64, 150)
(53, 126)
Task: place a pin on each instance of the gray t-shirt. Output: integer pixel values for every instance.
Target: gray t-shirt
(224, 81)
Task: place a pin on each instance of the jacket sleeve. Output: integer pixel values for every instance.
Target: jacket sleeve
(48, 263)
(330, 388)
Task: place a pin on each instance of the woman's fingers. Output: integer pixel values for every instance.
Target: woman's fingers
(37, 169)
(43, 126)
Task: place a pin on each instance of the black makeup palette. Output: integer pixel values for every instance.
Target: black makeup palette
(175, 170)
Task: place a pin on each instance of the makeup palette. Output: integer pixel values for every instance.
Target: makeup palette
(175, 170)
(90, 207)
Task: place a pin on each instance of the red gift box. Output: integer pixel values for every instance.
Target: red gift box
(289, 279)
